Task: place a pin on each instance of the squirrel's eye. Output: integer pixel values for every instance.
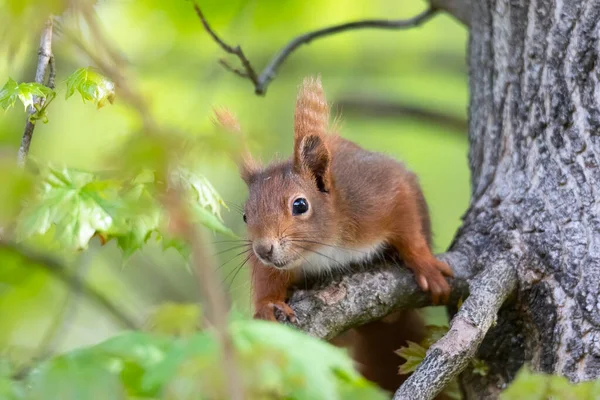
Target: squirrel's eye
(300, 206)
(244, 216)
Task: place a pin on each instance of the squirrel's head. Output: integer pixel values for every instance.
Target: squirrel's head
(290, 207)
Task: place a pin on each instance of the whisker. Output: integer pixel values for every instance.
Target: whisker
(233, 204)
(236, 269)
(233, 241)
(236, 274)
(321, 254)
(288, 227)
(231, 248)
(309, 263)
(240, 286)
(233, 258)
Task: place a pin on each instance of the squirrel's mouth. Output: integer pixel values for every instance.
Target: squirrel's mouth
(279, 264)
(284, 264)
(281, 261)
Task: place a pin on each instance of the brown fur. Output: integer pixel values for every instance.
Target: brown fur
(358, 200)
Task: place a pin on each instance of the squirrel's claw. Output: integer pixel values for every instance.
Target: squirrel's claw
(266, 311)
(432, 279)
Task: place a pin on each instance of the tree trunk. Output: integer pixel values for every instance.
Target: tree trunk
(534, 157)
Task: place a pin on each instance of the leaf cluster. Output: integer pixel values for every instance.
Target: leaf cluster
(276, 361)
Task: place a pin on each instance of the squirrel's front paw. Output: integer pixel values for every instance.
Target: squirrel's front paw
(431, 277)
(266, 310)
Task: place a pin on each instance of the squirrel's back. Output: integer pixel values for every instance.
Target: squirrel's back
(358, 174)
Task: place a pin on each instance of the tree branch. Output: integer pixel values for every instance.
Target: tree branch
(57, 270)
(63, 322)
(45, 59)
(451, 354)
(367, 296)
(459, 9)
(268, 74)
(382, 108)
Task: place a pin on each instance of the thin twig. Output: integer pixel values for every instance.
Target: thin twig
(452, 353)
(63, 322)
(237, 51)
(60, 272)
(363, 105)
(268, 74)
(44, 59)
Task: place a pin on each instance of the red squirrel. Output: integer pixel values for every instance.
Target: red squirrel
(332, 204)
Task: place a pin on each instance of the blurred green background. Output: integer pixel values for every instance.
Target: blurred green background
(175, 62)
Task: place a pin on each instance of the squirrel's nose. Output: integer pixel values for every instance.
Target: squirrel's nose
(263, 249)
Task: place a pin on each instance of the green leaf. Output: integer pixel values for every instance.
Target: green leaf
(73, 201)
(527, 385)
(77, 205)
(206, 202)
(413, 354)
(92, 86)
(479, 367)
(275, 361)
(530, 385)
(141, 217)
(9, 94)
(27, 92)
(74, 378)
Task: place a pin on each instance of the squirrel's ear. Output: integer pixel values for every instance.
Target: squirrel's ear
(312, 157)
(247, 166)
(312, 111)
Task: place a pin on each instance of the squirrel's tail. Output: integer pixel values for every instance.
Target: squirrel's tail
(312, 111)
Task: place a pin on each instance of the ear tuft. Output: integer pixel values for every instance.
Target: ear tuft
(226, 119)
(313, 157)
(247, 165)
(312, 111)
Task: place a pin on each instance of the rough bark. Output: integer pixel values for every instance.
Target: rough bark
(362, 297)
(534, 148)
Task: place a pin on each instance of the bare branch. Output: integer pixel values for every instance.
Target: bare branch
(459, 9)
(362, 105)
(268, 74)
(237, 51)
(236, 71)
(64, 321)
(367, 296)
(51, 72)
(44, 59)
(451, 354)
(59, 271)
